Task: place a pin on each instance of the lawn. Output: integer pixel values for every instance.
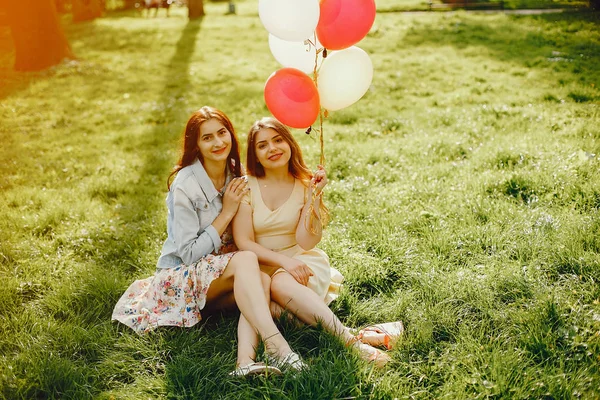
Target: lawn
(464, 191)
(423, 5)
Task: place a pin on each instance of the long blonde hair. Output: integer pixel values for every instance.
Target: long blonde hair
(296, 166)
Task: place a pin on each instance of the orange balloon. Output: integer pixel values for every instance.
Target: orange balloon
(292, 98)
(343, 23)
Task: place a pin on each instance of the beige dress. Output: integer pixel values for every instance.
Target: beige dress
(276, 230)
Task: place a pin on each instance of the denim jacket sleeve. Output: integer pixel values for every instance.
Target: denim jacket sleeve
(192, 242)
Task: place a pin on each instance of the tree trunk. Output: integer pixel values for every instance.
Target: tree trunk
(195, 9)
(86, 10)
(130, 4)
(61, 7)
(37, 34)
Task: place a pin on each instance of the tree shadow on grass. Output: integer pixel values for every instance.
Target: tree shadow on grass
(113, 259)
(123, 253)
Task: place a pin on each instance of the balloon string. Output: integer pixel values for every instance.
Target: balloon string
(322, 160)
(315, 76)
(312, 221)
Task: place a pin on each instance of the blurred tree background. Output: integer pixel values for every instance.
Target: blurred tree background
(40, 42)
(37, 33)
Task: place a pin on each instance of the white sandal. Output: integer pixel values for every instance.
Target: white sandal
(255, 368)
(292, 361)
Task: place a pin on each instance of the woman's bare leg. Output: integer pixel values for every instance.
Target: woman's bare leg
(242, 276)
(305, 304)
(247, 336)
(247, 342)
(310, 308)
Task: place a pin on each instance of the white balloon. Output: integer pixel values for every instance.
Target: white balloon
(299, 55)
(344, 78)
(291, 20)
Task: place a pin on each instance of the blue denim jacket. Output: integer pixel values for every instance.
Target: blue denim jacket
(193, 204)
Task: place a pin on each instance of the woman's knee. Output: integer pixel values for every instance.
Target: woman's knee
(281, 285)
(246, 260)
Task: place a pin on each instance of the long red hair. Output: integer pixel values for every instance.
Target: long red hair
(296, 166)
(190, 141)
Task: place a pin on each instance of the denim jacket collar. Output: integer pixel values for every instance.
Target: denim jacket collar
(204, 180)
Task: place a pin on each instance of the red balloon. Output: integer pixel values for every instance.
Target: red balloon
(292, 97)
(343, 23)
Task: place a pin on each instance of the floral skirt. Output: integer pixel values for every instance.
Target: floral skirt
(172, 297)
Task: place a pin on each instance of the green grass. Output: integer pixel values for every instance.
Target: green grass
(423, 5)
(465, 198)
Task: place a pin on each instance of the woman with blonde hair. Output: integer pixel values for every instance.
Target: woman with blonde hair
(281, 221)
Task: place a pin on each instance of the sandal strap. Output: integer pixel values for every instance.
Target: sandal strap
(291, 360)
(255, 368)
(368, 352)
(353, 340)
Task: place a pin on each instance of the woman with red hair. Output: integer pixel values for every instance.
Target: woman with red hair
(199, 265)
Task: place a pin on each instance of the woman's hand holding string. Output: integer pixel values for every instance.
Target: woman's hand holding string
(318, 182)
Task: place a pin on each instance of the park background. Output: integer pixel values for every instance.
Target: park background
(464, 191)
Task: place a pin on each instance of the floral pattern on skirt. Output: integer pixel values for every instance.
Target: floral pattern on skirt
(173, 296)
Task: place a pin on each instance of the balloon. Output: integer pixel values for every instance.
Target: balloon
(344, 22)
(295, 54)
(344, 78)
(292, 20)
(292, 98)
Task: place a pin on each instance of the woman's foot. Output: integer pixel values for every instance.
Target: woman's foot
(255, 368)
(369, 353)
(290, 361)
(381, 335)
